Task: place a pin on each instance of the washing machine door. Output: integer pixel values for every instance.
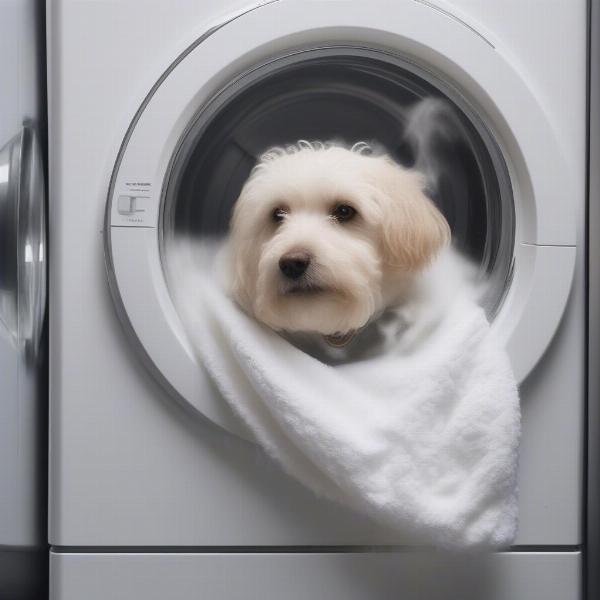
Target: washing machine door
(352, 70)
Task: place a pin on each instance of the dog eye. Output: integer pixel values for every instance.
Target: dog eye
(278, 215)
(343, 212)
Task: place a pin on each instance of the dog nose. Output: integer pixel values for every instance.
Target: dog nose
(294, 264)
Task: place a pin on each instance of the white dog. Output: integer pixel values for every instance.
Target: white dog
(325, 240)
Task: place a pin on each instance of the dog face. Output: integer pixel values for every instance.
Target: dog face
(322, 237)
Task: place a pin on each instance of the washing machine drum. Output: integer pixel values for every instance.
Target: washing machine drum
(348, 96)
(439, 99)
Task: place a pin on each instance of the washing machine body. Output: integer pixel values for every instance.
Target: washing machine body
(155, 489)
(23, 554)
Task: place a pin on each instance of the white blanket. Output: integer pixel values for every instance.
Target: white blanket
(425, 442)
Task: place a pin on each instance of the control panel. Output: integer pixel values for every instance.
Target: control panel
(134, 204)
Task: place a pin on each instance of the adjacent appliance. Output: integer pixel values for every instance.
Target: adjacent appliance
(23, 381)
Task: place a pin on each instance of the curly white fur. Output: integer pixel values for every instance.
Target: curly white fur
(357, 268)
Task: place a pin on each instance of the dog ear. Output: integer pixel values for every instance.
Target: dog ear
(413, 229)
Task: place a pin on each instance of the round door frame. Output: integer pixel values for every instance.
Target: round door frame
(545, 238)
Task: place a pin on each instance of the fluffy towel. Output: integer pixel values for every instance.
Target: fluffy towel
(425, 442)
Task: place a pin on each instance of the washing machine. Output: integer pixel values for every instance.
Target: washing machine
(157, 113)
(23, 403)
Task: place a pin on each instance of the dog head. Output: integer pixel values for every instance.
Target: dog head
(323, 237)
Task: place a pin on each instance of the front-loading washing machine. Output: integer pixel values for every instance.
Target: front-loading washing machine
(157, 113)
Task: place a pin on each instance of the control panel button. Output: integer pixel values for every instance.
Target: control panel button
(129, 205)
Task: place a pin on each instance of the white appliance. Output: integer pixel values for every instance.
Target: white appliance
(23, 550)
(156, 114)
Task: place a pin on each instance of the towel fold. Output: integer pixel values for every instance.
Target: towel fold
(425, 442)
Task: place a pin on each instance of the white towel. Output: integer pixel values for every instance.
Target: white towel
(425, 442)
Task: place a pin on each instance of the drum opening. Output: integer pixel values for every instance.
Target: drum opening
(347, 94)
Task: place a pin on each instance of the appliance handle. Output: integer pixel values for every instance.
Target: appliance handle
(23, 241)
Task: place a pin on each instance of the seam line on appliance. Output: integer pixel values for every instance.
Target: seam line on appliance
(548, 245)
(452, 16)
(382, 549)
(135, 226)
